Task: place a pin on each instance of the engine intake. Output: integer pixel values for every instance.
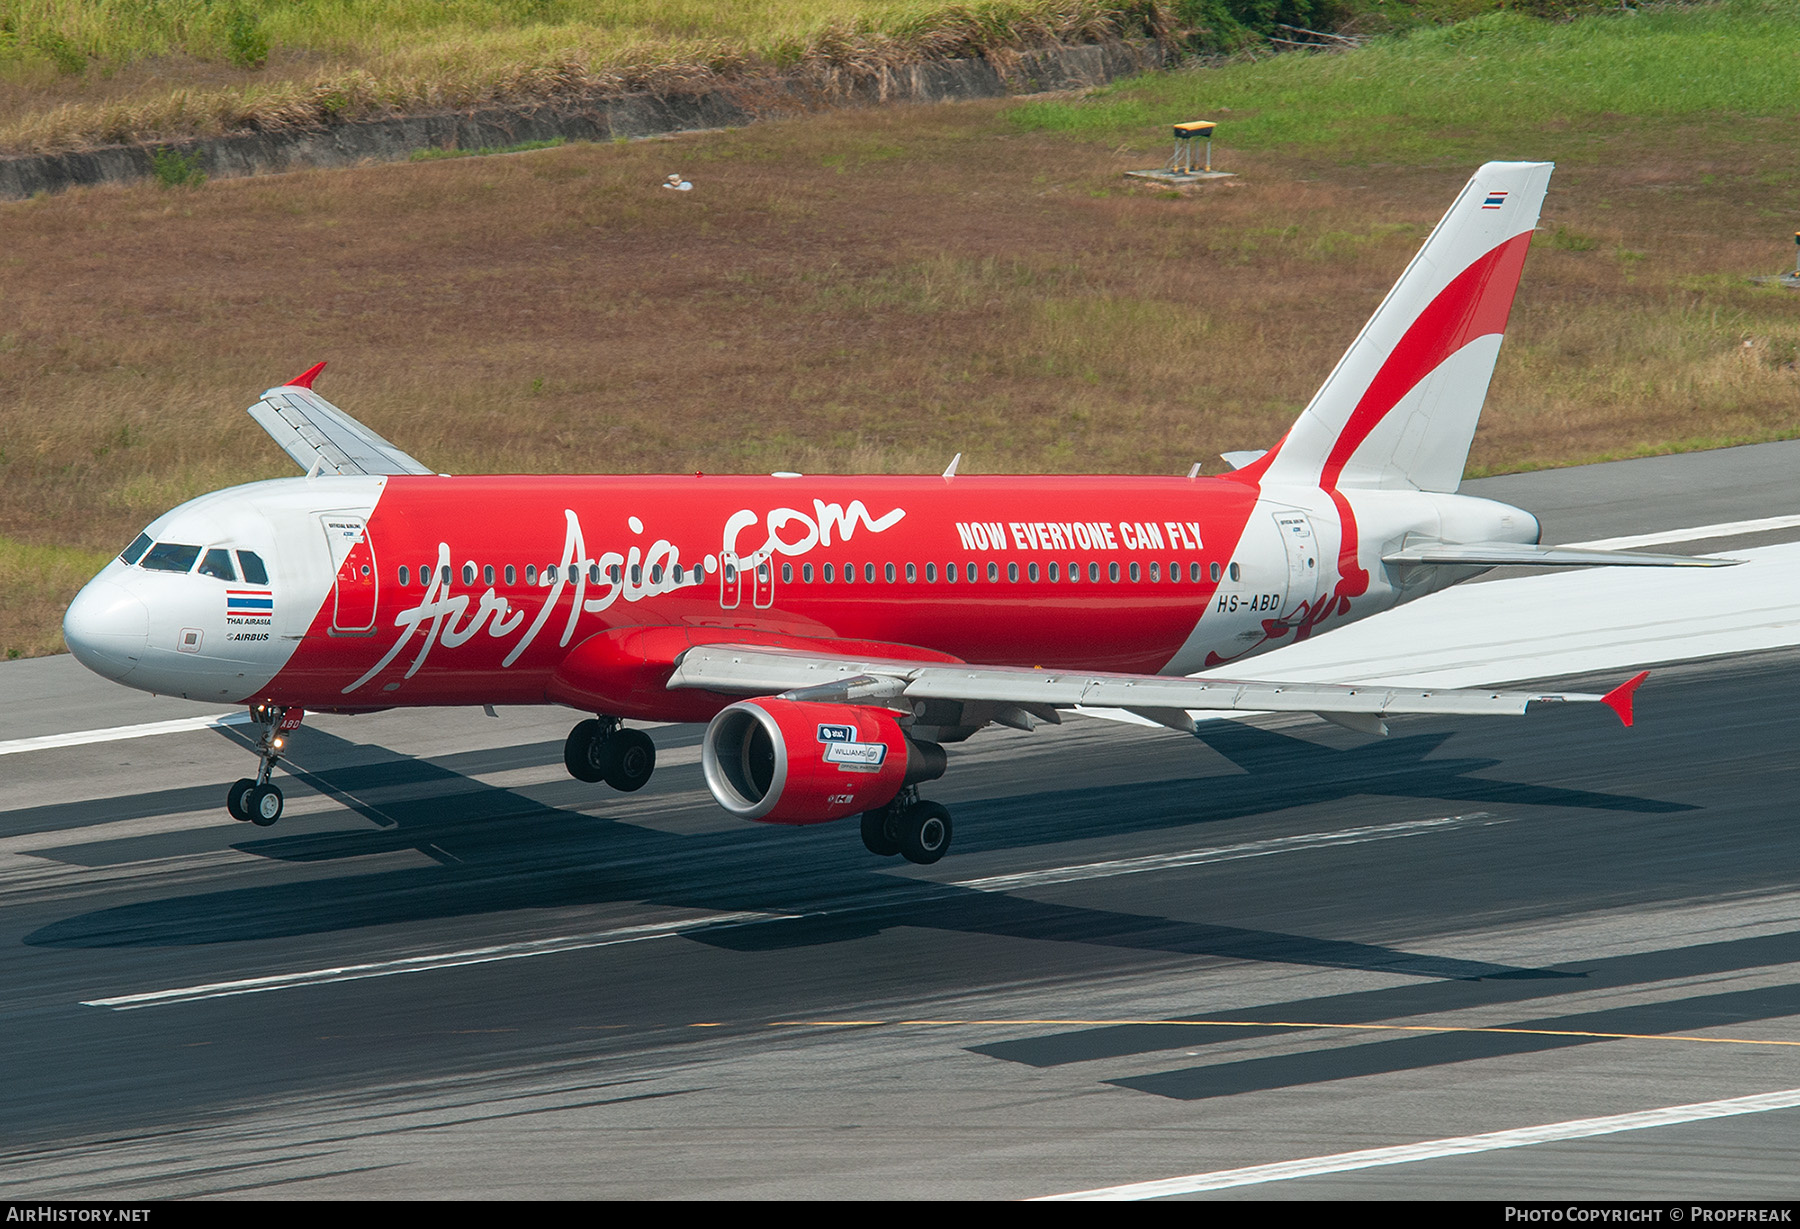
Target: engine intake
(793, 762)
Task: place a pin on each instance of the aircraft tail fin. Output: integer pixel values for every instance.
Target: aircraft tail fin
(1399, 409)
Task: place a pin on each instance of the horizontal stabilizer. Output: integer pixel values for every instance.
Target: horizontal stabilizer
(322, 438)
(1498, 554)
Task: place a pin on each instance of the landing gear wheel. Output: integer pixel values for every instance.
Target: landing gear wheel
(630, 759)
(234, 797)
(878, 833)
(263, 803)
(923, 831)
(584, 752)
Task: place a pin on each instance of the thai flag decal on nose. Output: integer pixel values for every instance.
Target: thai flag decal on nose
(1494, 200)
(249, 603)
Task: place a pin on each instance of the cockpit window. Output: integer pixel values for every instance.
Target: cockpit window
(134, 552)
(218, 564)
(171, 557)
(254, 571)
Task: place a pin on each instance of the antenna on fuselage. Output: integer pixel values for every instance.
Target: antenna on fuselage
(1194, 472)
(950, 469)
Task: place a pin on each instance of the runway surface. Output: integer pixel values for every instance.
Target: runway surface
(1279, 960)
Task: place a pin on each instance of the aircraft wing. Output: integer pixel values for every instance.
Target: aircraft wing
(324, 439)
(1038, 693)
(1496, 554)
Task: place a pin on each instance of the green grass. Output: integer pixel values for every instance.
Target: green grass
(1447, 93)
(432, 155)
(36, 584)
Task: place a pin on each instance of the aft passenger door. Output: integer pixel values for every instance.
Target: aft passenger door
(1302, 547)
(355, 588)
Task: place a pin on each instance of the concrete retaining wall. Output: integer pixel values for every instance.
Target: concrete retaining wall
(603, 119)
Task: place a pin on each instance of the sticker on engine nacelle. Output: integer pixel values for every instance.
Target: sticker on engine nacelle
(843, 749)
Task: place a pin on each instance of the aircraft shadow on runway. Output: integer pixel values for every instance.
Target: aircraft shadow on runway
(1383, 1055)
(497, 850)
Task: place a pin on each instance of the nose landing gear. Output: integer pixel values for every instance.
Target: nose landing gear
(252, 798)
(602, 750)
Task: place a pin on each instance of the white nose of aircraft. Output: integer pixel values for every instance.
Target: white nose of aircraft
(106, 628)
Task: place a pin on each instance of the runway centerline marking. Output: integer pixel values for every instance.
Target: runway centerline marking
(1463, 1145)
(118, 733)
(1224, 853)
(425, 964)
(1693, 533)
(1286, 1024)
(928, 889)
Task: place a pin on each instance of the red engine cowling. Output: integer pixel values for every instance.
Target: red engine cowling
(792, 762)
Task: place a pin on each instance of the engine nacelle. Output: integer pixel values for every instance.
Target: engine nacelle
(794, 762)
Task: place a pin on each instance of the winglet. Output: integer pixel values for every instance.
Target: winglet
(1619, 698)
(305, 381)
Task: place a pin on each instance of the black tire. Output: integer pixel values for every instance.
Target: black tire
(630, 759)
(878, 833)
(584, 751)
(924, 832)
(263, 803)
(234, 797)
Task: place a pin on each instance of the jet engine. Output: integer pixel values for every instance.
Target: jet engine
(799, 762)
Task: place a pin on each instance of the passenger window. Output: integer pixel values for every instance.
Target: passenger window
(969, 573)
(487, 574)
(1094, 572)
(405, 575)
(615, 573)
(468, 573)
(171, 557)
(787, 573)
(912, 573)
(950, 573)
(1012, 572)
(806, 572)
(829, 574)
(1212, 572)
(931, 573)
(1112, 572)
(993, 572)
(849, 573)
(1032, 572)
(217, 564)
(637, 573)
(888, 571)
(1156, 571)
(1136, 572)
(511, 574)
(1235, 574)
(1074, 572)
(134, 552)
(1055, 573)
(869, 573)
(444, 574)
(531, 573)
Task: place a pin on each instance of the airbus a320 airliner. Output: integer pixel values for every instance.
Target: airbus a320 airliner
(837, 632)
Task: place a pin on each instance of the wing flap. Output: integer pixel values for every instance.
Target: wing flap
(766, 672)
(323, 439)
(1497, 554)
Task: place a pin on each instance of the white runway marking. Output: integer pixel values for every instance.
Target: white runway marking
(117, 733)
(1693, 533)
(1466, 1145)
(1222, 853)
(425, 964)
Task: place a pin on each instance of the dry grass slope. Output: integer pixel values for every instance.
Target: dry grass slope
(871, 290)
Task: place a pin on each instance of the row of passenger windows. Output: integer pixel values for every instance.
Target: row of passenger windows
(830, 573)
(177, 557)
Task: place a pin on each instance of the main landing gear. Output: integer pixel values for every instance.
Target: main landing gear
(603, 750)
(253, 798)
(917, 831)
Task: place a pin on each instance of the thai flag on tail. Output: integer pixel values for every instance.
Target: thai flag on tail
(250, 603)
(1494, 200)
